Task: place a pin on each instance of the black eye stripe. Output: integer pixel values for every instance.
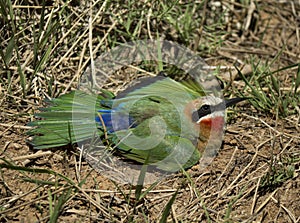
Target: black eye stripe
(206, 110)
(201, 112)
(205, 107)
(195, 116)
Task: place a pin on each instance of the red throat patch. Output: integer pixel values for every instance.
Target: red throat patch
(213, 123)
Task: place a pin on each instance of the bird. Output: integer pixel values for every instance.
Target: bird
(159, 122)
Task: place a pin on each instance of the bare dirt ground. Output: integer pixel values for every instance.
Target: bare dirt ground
(248, 181)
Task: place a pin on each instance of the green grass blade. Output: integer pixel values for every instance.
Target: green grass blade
(297, 80)
(167, 208)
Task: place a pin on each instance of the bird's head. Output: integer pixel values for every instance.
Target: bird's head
(207, 114)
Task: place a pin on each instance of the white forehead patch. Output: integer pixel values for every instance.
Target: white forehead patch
(211, 100)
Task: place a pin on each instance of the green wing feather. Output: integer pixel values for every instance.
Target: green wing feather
(169, 88)
(169, 153)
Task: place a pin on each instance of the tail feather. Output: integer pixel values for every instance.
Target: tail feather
(68, 119)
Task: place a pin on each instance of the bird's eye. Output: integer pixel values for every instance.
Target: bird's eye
(203, 111)
(205, 107)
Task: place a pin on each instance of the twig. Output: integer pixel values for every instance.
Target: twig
(31, 156)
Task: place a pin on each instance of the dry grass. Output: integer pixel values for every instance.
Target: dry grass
(255, 177)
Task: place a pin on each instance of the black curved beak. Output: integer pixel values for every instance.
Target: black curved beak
(233, 101)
